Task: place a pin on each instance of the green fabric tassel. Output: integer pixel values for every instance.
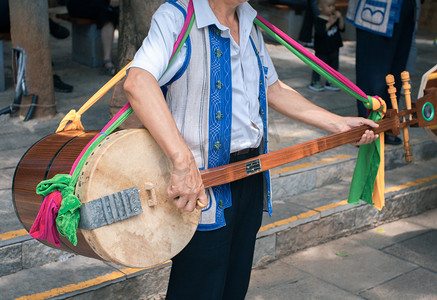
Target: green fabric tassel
(68, 215)
(57, 183)
(366, 169)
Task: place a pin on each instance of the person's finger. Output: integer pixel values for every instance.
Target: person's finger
(180, 202)
(368, 137)
(172, 192)
(190, 205)
(370, 123)
(202, 200)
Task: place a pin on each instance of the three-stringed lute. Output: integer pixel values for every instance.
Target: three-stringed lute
(126, 215)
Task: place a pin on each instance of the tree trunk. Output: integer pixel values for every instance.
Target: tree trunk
(135, 18)
(30, 31)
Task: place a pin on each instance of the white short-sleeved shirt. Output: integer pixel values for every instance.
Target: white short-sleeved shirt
(157, 47)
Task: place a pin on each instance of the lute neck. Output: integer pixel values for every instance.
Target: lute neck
(238, 170)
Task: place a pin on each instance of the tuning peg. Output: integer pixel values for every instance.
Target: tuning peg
(405, 77)
(390, 80)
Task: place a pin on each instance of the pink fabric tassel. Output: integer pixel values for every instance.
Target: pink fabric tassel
(44, 227)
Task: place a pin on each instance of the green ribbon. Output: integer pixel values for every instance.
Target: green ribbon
(366, 169)
(57, 183)
(69, 215)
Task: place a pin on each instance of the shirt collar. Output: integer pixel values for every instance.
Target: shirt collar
(205, 16)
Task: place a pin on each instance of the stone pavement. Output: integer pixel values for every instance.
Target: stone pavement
(393, 260)
(396, 260)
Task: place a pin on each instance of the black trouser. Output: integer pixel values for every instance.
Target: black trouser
(217, 264)
(377, 56)
(331, 59)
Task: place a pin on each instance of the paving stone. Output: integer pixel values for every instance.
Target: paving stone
(294, 184)
(52, 276)
(8, 217)
(388, 234)
(417, 284)
(305, 288)
(303, 236)
(10, 256)
(343, 221)
(416, 169)
(263, 278)
(150, 285)
(288, 241)
(420, 250)
(409, 202)
(265, 249)
(11, 157)
(397, 206)
(283, 210)
(284, 273)
(427, 219)
(6, 178)
(9, 223)
(336, 172)
(348, 264)
(36, 254)
(426, 198)
(6, 205)
(366, 215)
(322, 196)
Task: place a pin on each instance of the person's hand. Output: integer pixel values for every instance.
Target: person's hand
(368, 137)
(332, 18)
(186, 189)
(337, 14)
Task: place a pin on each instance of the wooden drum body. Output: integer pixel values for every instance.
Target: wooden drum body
(124, 160)
(54, 154)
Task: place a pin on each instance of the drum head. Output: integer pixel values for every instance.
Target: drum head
(126, 159)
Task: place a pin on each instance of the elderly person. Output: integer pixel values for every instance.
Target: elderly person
(214, 112)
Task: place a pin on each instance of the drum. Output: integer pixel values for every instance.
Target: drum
(126, 162)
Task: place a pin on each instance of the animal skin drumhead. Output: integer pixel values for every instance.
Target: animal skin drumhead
(126, 159)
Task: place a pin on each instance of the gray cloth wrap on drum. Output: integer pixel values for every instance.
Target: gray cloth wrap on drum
(110, 209)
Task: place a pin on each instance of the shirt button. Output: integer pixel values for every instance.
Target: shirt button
(218, 53)
(219, 116)
(217, 145)
(221, 204)
(219, 84)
